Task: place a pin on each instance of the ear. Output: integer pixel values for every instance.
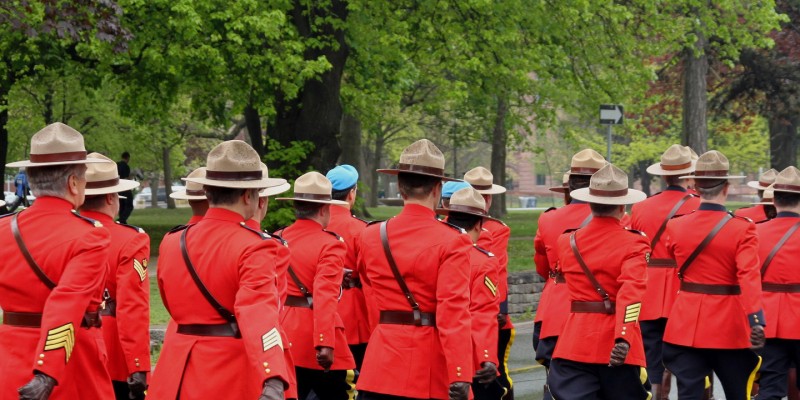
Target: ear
(110, 198)
(72, 185)
(262, 201)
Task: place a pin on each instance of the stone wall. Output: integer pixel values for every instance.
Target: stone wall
(524, 290)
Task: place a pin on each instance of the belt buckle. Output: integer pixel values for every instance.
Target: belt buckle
(417, 317)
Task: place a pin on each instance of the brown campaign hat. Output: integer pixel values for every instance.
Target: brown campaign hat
(482, 180)
(103, 178)
(787, 181)
(193, 191)
(234, 164)
(57, 144)
(769, 197)
(466, 201)
(422, 158)
(609, 185)
(767, 178)
(694, 153)
(564, 184)
(274, 190)
(313, 187)
(586, 162)
(712, 165)
(676, 160)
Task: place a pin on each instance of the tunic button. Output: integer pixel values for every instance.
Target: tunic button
(458, 374)
(266, 364)
(41, 355)
(623, 333)
(266, 370)
(40, 362)
(485, 356)
(458, 368)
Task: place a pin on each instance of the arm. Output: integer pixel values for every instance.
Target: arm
(749, 275)
(632, 280)
(452, 304)
(484, 307)
(133, 304)
(327, 285)
(540, 251)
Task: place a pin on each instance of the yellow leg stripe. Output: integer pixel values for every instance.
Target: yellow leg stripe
(507, 354)
(351, 376)
(751, 379)
(643, 379)
(708, 382)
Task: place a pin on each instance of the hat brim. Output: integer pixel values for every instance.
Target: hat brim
(29, 163)
(726, 177)
(447, 211)
(254, 184)
(785, 190)
(633, 196)
(181, 195)
(275, 190)
(123, 185)
(762, 203)
(331, 202)
(398, 171)
(558, 189)
(496, 189)
(755, 185)
(656, 169)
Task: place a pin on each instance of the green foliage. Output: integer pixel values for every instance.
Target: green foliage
(283, 162)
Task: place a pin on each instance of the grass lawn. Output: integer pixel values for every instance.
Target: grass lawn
(158, 313)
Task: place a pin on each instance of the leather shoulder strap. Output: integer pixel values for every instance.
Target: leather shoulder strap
(711, 235)
(27, 254)
(671, 214)
(223, 312)
(777, 248)
(586, 221)
(303, 288)
(399, 278)
(602, 292)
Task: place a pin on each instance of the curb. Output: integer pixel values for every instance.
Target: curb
(524, 369)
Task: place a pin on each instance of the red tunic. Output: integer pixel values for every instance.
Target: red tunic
(553, 308)
(618, 259)
(234, 263)
(500, 233)
(433, 258)
(756, 213)
(317, 257)
(73, 253)
(484, 305)
(782, 309)
(352, 306)
(127, 335)
(647, 217)
(707, 320)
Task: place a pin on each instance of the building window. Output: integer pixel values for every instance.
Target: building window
(541, 179)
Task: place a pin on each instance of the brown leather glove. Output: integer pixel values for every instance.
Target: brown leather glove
(618, 354)
(273, 390)
(325, 357)
(486, 374)
(459, 391)
(137, 385)
(502, 320)
(39, 388)
(757, 338)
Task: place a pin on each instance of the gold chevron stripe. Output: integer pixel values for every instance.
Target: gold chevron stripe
(489, 284)
(632, 312)
(61, 337)
(141, 269)
(271, 339)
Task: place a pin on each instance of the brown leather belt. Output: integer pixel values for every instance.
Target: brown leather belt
(219, 330)
(557, 277)
(34, 320)
(725, 290)
(780, 287)
(297, 301)
(662, 263)
(591, 307)
(407, 318)
(110, 309)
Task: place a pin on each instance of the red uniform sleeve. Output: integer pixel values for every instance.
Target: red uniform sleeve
(326, 291)
(484, 307)
(749, 274)
(83, 277)
(373, 314)
(133, 303)
(452, 307)
(632, 280)
(500, 249)
(540, 252)
(256, 308)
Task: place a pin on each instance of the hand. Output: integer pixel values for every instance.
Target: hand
(39, 388)
(347, 279)
(137, 384)
(486, 374)
(502, 320)
(757, 338)
(273, 390)
(459, 391)
(325, 357)
(618, 354)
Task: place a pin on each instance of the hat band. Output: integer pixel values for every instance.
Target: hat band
(666, 167)
(481, 187)
(196, 192)
(312, 196)
(608, 193)
(233, 175)
(421, 169)
(763, 184)
(58, 157)
(719, 172)
(781, 186)
(102, 184)
(583, 170)
(467, 209)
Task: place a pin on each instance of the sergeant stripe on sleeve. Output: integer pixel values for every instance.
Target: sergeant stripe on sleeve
(632, 312)
(141, 268)
(271, 339)
(489, 284)
(61, 337)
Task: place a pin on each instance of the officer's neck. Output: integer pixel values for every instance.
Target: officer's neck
(795, 209)
(427, 202)
(245, 210)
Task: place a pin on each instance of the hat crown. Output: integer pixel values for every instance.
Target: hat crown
(713, 161)
(468, 197)
(768, 177)
(565, 179)
(693, 153)
(423, 153)
(57, 138)
(233, 156)
(677, 155)
(312, 183)
(790, 176)
(769, 193)
(99, 172)
(609, 179)
(479, 176)
(587, 160)
(197, 173)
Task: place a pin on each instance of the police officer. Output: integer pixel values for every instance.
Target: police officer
(717, 316)
(760, 212)
(53, 267)
(605, 266)
(126, 313)
(564, 188)
(322, 359)
(195, 195)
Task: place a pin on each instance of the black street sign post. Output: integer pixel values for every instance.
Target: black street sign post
(611, 114)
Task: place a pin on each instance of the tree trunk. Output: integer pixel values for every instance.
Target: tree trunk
(154, 191)
(372, 200)
(645, 177)
(783, 142)
(167, 176)
(252, 120)
(498, 163)
(695, 128)
(3, 135)
(47, 105)
(351, 141)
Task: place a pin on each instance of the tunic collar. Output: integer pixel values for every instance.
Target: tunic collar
(712, 207)
(787, 214)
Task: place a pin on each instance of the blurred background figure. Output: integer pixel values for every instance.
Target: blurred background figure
(126, 200)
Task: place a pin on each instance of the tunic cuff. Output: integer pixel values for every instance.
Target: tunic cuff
(757, 318)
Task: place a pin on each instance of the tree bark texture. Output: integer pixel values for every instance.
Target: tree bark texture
(165, 153)
(3, 134)
(645, 177)
(783, 142)
(252, 120)
(695, 128)
(350, 141)
(377, 158)
(498, 161)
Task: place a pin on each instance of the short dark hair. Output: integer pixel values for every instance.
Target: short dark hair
(307, 209)
(578, 181)
(603, 210)
(674, 180)
(786, 199)
(416, 186)
(341, 194)
(221, 196)
(463, 220)
(126, 155)
(93, 202)
(710, 188)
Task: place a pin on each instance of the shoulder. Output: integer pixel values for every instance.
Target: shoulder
(635, 232)
(95, 223)
(455, 228)
(132, 227)
(480, 249)
(176, 229)
(550, 209)
(334, 235)
(261, 235)
(741, 218)
(366, 222)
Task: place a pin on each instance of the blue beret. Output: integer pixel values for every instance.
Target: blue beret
(451, 187)
(343, 177)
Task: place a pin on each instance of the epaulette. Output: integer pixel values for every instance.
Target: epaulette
(136, 228)
(550, 209)
(635, 231)
(362, 220)
(339, 238)
(741, 217)
(694, 195)
(501, 222)
(766, 220)
(373, 222)
(456, 227)
(7, 215)
(570, 230)
(682, 215)
(279, 239)
(94, 222)
(484, 251)
(281, 229)
(177, 229)
(260, 234)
